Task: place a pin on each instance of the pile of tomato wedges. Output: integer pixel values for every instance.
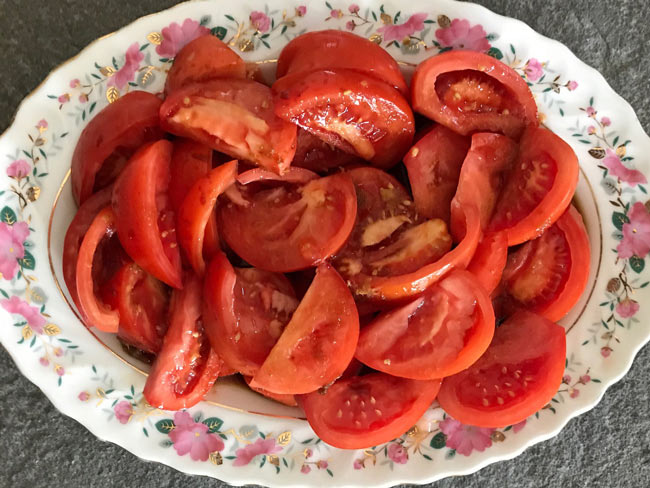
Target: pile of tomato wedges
(337, 250)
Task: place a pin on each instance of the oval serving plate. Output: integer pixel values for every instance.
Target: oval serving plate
(243, 438)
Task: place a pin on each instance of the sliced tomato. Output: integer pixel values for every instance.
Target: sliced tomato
(469, 91)
(141, 301)
(349, 110)
(293, 175)
(245, 312)
(518, 374)
(110, 138)
(186, 367)
(365, 411)
(282, 227)
(317, 155)
(539, 187)
(94, 311)
(433, 166)
(332, 49)
(232, 116)
(438, 334)
(145, 222)
(481, 179)
(489, 260)
(204, 59)
(549, 274)
(198, 208)
(289, 400)
(319, 341)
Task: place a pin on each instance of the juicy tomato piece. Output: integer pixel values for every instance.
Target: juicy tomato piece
(245, 312)
(357, 114)
(75, 234)
(518, 374)
(433, 166)
(232, 116)
(289, 400)
(317, 155)
(332, 49)
(141, 301)
(438, 334)
(285, 227)
(539, 187)
(365, 411)
(198, 207)
(204, 59)
(294, 175)
(481, 179)
(549, 274)
(186, 367)
(489, 260)
(319, 341)
(144, 220)
(469, 91)
(110, 138)
(94, 311)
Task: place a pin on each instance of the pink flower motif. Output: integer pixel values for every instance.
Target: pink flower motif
(42, 124)
(623, 173)
(397, 32)
(336, 13)
(574, 392)
(31, 314)
(74, 83)
(585, 378)
(84, 396)
(606, 121)
(260, 21)
(358, 464)
(64, 98)
(605, 351)
(397, 453)
(176, 36)
(566, 379)
(350, 25)
(193, 437)
(517, 427)
(12, 238)
(261, 446)
(591, 111)
(44, 361)
(533, 69)
(305, 469)
(58, 352)
(591, 130)
(123, 411)
(627, 308)
(322, 464)
(58, 369)
(636, 237)
(353, 9)
(461, 35)
(308, 453)
(83, 98)
(301, 11)
(465, 438)
(572, 85)
(127, 72)
(18, 169)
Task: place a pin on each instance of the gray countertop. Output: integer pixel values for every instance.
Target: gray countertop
(608, 446)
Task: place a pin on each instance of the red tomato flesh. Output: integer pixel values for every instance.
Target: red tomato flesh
(314, 154)
(489, 260)
(288, 400)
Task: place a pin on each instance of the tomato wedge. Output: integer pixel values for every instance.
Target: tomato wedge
(293, 175)
(110, 138)
(539, 187)
(489, 260)
(186, 367)
(198, 207)
(549, 274)
(317, 155)
(145, 223)
(288, 400)
(232, 116)
(204, 59)
(365, 411)
(245, 312)
(438, 334)
(348, 110)
(331, 49)
(319, 341)
(518, 374)
(433, 166)
(299, 225)
(469, 91)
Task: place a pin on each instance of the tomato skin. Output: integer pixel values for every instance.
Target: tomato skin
(198, 207)
(129, 122)
(288, 400)
(489, 260)
(399, 401)
(319, 341)
(137, 196)
(350, 111)
(521, 111)
(186, 367)
(294, 175)
(95, 313)
(317, 155)
(434, 166)
(234, 117)
(332, 49)
(517, 375)
(204, 59)
(420, 339)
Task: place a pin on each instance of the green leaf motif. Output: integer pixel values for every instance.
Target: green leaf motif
(28, 261)
(8, 216)
(219, 32)
(637, 264)
(214, 424)
(165, 426)
(618, 219)
(495, 53)
(438, 441)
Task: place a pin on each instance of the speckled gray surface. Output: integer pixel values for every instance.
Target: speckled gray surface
(608, 446)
